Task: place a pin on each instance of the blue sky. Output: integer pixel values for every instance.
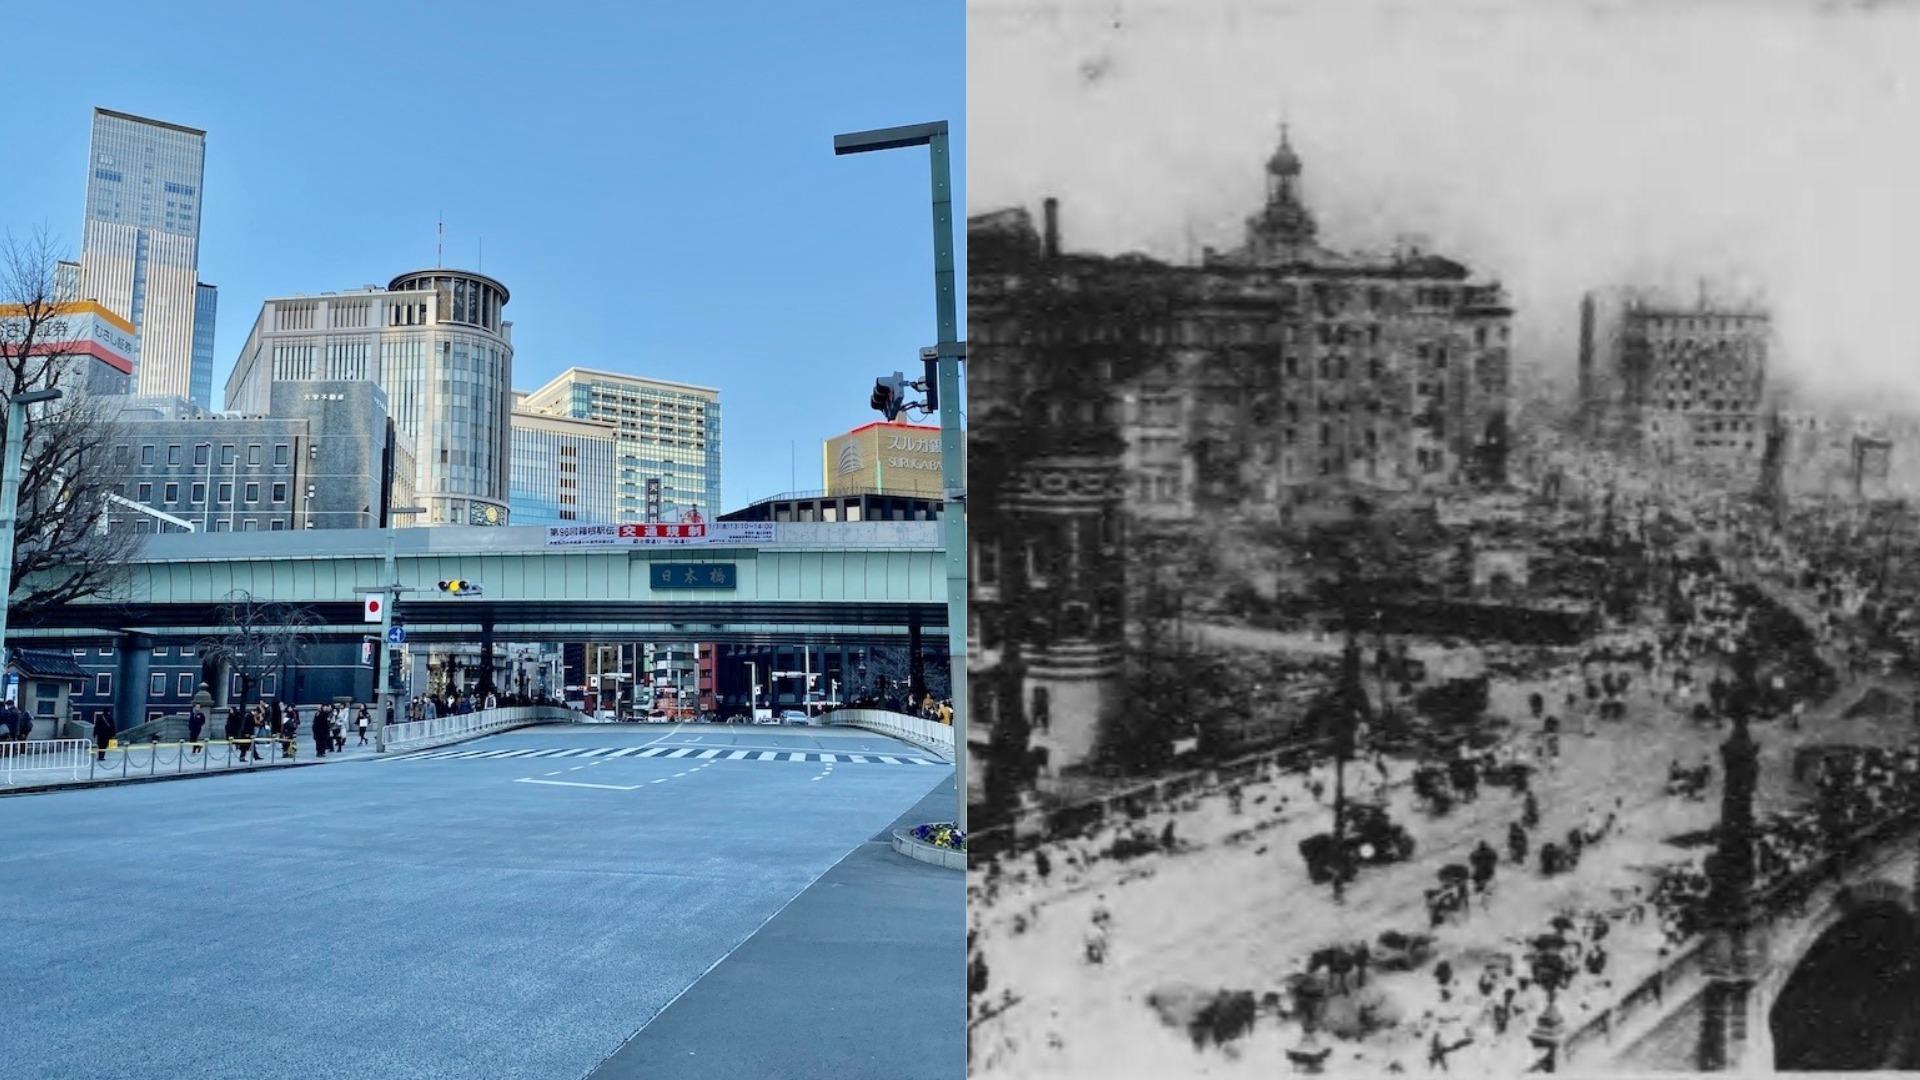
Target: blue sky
(654, 182)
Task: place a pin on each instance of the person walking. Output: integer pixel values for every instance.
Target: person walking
(249, 730)
(102, 733)
(196, 723)
(322, 720)
(362, 724)
(492, 702)
(340, 730)
(233, 728)
(290, 731)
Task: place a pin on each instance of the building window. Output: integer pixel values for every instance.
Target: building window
(147, 454)
(144, 493)
(226, 493)
(250, 525)
(106, 650)
(103, 683)
(253, 454)
(173, 455)
(197, 493)
(280, 492)
(157, 685)
(281, 453)
(253, 492)
(227, 455)
(278, 525)
(186, 684)
(172, 493)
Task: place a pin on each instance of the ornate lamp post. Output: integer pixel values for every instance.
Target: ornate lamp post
(1735, 954)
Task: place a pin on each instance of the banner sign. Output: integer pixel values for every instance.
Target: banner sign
(658, 535)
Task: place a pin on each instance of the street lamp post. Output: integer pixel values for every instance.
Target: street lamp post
(949, 350)
(753, 691)
(10, 488)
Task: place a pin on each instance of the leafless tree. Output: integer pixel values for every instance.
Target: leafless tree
(62, 551)
(262, 637)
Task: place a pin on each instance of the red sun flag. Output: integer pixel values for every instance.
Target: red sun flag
(373, 609)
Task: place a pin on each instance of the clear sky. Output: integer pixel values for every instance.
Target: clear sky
(1772, 147)
(654, 182)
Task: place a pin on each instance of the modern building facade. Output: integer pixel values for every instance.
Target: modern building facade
(1257, 381)
(141, 252)
(666, 431)
(563, 470)
(436, 342)
(324, 456)
(1679, 385)
(892, 458)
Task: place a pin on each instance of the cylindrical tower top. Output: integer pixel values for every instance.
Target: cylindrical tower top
(465, 297)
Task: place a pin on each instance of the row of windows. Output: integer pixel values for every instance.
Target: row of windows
(197, 492)
(203, 454)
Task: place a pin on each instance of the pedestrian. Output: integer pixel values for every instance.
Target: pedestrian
(322, 736)
(102, 733)
(340, 730)
(363, 726)
(290, 732)
(233, 727)
(492, 702)
(1517, 843)
(249, 729)
(196, 723)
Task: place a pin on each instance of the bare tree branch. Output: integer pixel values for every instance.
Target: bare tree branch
(67, 470)
(264, 636)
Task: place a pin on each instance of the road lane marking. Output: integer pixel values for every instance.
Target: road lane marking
(662, 780)
(682, 752)
(571, 783)
(736, 755)
(708, 754)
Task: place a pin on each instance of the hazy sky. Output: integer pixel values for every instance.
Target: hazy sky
(1771, 147)
(655, 183)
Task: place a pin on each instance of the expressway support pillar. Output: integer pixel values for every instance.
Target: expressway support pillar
(486, 658)
(132, 667)
(916, 663)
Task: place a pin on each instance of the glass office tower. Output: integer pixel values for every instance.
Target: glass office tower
(141, 252)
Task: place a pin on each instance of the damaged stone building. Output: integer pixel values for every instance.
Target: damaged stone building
(1256, 381)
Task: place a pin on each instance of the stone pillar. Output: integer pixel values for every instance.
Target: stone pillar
(133, 665)
(219, 676)
(1735, 1031)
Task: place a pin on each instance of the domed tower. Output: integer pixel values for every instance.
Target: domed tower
(1284, 225)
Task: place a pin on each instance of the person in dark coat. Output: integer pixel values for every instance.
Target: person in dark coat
(196, 723)
(233, 724)
(249, 728)
(290, 730)
(102, 734)
(322, 734)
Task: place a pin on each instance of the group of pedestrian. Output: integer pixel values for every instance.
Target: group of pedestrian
(16, 727)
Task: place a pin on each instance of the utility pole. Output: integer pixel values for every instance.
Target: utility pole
(10, 488)
(390, 588)
(949, 352)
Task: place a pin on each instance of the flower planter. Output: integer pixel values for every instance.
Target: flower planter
(906, 843)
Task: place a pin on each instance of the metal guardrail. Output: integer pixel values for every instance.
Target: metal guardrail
(43, 759)
(929, 734)
(474, 723)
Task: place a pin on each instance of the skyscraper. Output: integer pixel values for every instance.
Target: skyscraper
(666, 431)
(141, 253)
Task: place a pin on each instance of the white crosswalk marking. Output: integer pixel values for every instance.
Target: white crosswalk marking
(707, 755)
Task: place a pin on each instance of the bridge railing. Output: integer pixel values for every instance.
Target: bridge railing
(41, 760)
(926, 734)
(414, 733)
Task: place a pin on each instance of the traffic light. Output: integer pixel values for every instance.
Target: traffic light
(930, 356)
(889, 395)
(459, 587)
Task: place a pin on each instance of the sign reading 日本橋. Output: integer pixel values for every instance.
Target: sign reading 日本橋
(693, 575)
(733, 533)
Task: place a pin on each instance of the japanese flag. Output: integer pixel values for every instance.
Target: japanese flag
(376, 605)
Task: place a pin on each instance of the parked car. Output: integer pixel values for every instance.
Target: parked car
(795, 717)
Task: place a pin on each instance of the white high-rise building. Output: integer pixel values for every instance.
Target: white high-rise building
(665, 432)
(141, 253)
(436, 342)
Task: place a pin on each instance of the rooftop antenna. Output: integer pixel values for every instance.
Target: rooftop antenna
(440, 240)
(483, 256)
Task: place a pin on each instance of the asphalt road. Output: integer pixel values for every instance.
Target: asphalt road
(441, 918)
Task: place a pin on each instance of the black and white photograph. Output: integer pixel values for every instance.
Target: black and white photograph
(1445, 538)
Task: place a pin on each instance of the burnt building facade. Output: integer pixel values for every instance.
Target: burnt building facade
(1252, 382)
(1679, 387)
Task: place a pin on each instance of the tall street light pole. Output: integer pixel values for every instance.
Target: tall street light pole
(10, 488)
(949, 352)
